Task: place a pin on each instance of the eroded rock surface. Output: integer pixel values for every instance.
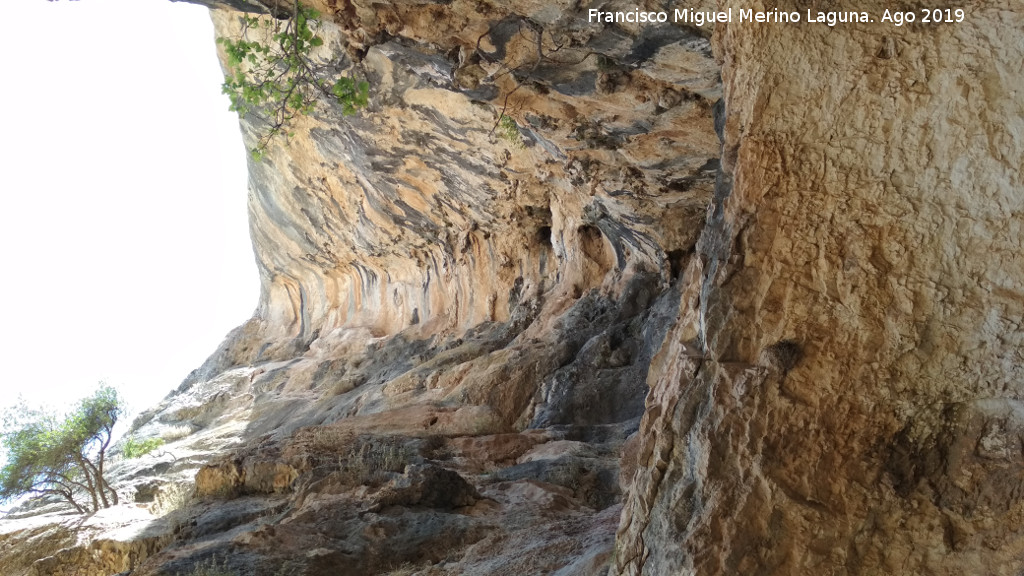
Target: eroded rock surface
(840, 391)
(731, 300)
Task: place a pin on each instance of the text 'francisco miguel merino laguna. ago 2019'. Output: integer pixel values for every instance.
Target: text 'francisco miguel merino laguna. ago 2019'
(702, 17)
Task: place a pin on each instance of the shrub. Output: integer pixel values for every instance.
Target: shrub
(509, 131)
(133, 448)
(276, 76)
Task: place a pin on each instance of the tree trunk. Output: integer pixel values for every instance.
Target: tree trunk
(100, 483)
(67, 487)
(101, 458)
(66, 493)
(90, 485)
(70, 498)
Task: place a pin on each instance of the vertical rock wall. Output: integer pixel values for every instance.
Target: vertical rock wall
(842, 391)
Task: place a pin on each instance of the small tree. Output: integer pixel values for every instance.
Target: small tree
(273, 72)
(61, 456)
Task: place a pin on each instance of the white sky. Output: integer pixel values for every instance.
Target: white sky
(124, 246)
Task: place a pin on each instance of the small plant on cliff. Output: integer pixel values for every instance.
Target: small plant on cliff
(134, 448)
(271, 71)
(509, 131)
(49, 455)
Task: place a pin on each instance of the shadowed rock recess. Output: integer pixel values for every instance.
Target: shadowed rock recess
(734, 300)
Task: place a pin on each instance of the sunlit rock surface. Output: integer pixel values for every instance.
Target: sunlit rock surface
(741, 301)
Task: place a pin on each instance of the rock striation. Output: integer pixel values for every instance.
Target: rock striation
(841, 392)
(742, 299)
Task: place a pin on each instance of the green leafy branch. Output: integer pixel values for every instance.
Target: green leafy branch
(277, 77)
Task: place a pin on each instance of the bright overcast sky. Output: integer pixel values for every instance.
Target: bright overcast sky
(124, 245)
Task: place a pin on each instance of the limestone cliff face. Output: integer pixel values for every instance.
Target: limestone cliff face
(752, 297)
(842, 392)
(416, 216)
(456, 322)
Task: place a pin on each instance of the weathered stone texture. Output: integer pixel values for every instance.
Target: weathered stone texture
(415, 216)
(751, 293)
(840, 393)
(432, 286)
